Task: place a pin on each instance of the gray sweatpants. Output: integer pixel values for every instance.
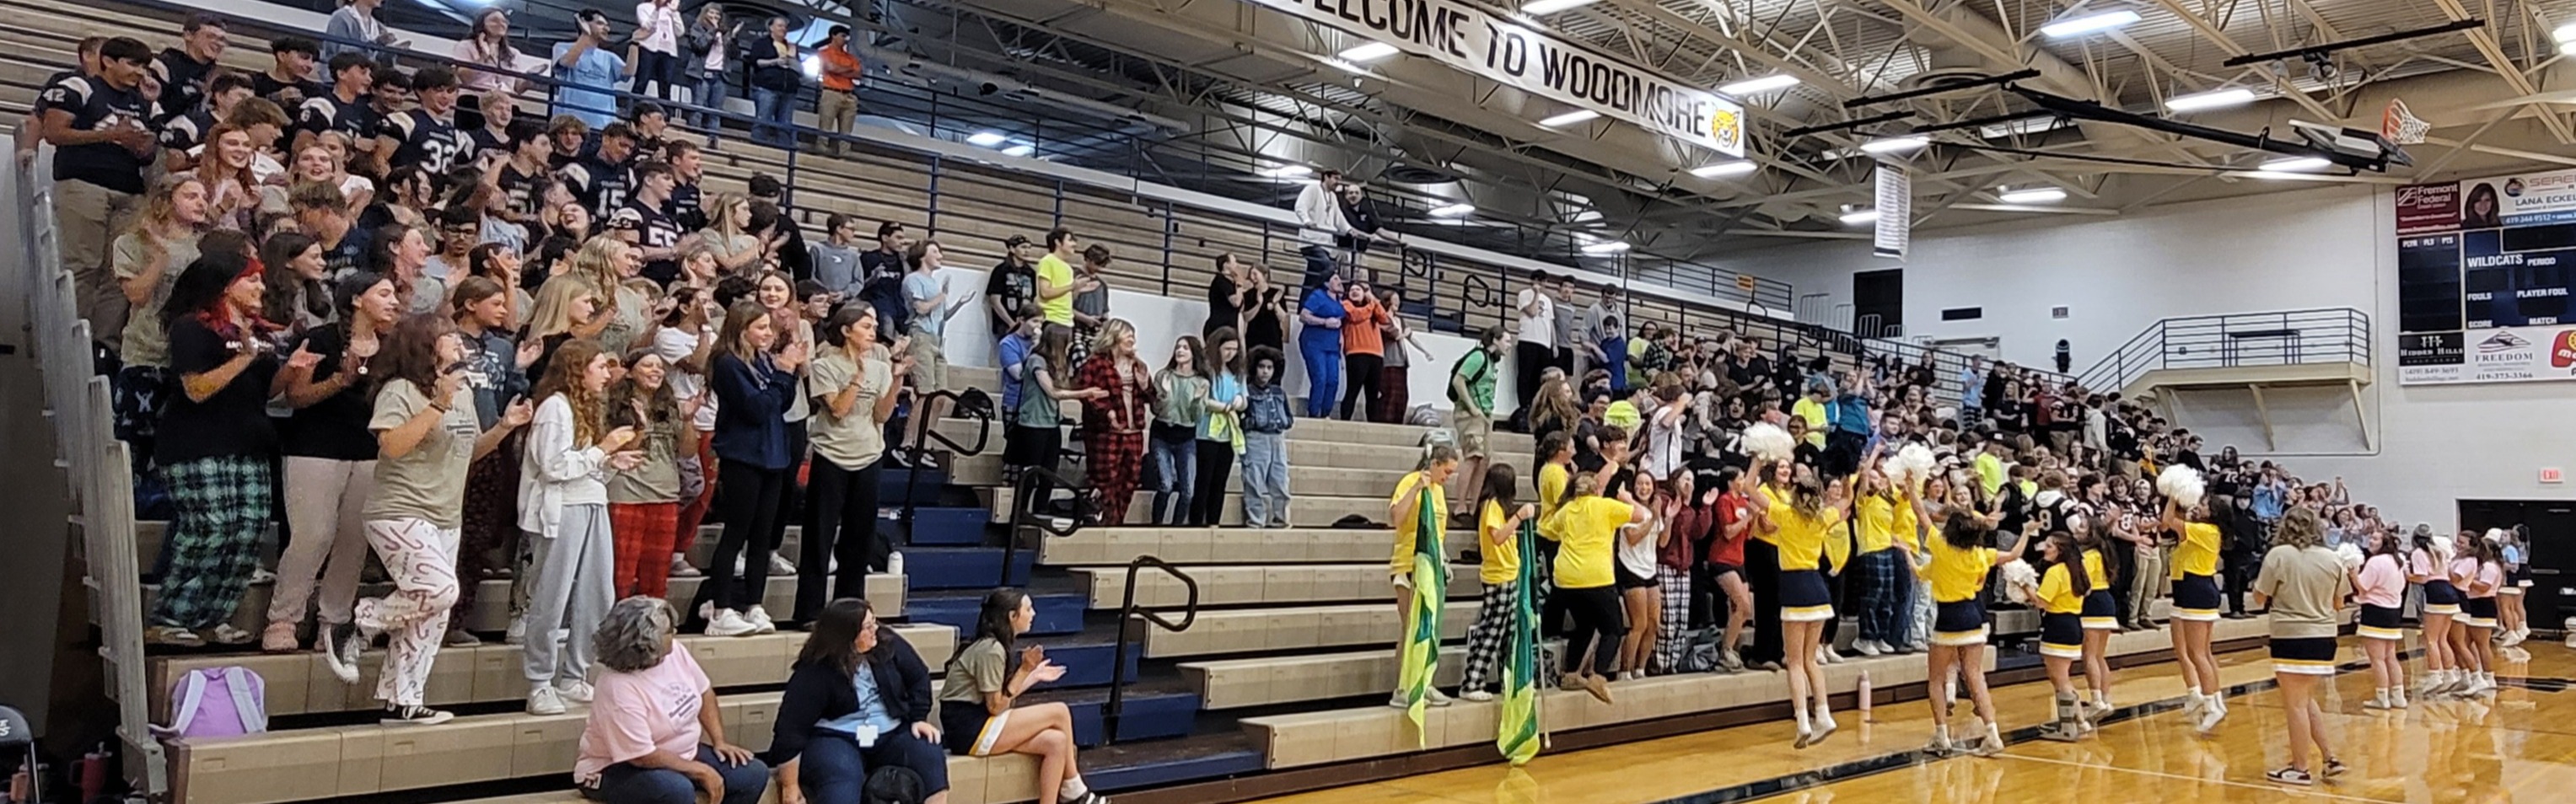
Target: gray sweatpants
(573, 572)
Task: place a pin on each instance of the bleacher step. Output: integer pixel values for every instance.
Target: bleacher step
(1057, 613)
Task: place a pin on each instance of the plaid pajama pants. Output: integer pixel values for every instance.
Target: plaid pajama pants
(643, 535)
(221, 505)
(1674, 641)
(1485, 639)
(1115, 459)
(489, 535)
(1885, 597)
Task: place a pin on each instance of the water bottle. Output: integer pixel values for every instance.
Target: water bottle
(894, 563)
(1864, 696)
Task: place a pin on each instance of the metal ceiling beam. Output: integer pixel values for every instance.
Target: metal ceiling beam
(2485, 42)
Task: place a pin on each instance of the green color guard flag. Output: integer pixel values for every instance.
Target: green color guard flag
(1518, 736)
(1421, 650)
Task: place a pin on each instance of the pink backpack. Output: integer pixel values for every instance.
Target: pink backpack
(218, 702)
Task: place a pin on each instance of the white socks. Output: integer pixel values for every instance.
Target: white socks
(1073, 788)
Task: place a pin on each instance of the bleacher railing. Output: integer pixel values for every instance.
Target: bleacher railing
(2281, 338)
(97, 467)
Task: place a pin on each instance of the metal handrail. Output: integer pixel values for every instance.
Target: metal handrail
(1129, 612)
(1035, 485)
(983, 416)
(2273, 338)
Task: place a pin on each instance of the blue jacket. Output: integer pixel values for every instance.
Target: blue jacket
(751, 411)
(1265, 410)
(1849, 413)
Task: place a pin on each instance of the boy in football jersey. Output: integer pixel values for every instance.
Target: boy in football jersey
(186, 129)
(605, 180)
(426, 136)
(346, 108)
(642, 222)
(100, 126)
(290, 79)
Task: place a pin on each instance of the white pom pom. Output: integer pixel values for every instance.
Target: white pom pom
(2350, 555)
(1910, 466)
(1945, 413)
(2498, 536)
(1767, 442)
(2443, 547)
(2019, 579)
(2182, 484)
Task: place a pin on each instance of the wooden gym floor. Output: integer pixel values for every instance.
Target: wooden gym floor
(2520, 747)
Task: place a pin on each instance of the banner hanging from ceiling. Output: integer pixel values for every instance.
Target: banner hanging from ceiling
(1895, 230)
(1482, 42)
(2484, 291)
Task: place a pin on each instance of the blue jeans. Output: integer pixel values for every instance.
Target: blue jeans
(624, 783)
(1265, 479)
(835, 769)
(1323, 375)
(1175, 470)
(711, 92)
(777, 110)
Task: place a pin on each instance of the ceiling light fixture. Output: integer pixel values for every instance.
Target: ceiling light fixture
(2024, 126)
(2035, 195)
(1538, 7)
(1457, 210)
(1568, 118)
(2213, 99)
(2565, 33)
(1756, 86)
(2089, 23)
(2297, 163)
(1022, 149)
(1369, 52)
(1721, 169)
(1860, 217)
(1345, 66)
(1605, 247)
(1886, 145)
(986, 139)
(1287, 172)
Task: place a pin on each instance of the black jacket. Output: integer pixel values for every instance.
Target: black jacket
(788, 78)
(816, 693)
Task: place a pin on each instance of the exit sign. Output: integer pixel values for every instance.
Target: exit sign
(2552, 474)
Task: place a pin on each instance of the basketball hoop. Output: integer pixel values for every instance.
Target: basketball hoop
(2401, 126)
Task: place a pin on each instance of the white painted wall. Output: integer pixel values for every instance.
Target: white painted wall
(2316, 248)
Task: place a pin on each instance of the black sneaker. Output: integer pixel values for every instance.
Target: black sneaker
(2334, 767)
(339, 647)
(2291, 776)
(415, 716)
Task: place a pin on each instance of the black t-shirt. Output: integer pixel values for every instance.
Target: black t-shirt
(600, 186)
(521, 188)
(875, 262)
(684, 207)
(336, 427)
(287, 94)
(1264, 326)
(184, 131)
(348, 257)
(325, 112)
(652, 230)
(485, 140)
(1016, 285)
(183, 81)
(231, 423)
(433, 144)
(1221, 307)
(97, 106)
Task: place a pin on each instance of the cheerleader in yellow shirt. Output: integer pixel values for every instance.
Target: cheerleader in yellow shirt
(2101, 617)
(1954, 564)
(2195, 607)
(2060, 597)
(1803, 525)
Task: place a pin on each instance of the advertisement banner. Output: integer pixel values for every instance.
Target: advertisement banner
(2428, 208)
(1483, 42)
(1895, 230)
(2509, 354)
(2525, 199)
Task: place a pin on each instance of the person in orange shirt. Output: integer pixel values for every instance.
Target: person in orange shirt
(1363, 349)
(837, 104)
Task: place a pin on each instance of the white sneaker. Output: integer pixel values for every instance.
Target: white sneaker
(760, 621)
(1435, 697)
(1479, 696)
(575, 691)
(1825, 655)
(1867, 648)
(730, 623)
(543, 700)
(779, 565)
(518, 633)
(680, 567)
(2209, 717)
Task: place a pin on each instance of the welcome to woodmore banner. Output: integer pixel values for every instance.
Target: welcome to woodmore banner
(1481, 42)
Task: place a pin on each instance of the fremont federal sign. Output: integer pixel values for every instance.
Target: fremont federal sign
(1481, 42)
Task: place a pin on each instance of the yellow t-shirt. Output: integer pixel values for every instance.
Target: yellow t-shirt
(1878, 521)
(1405, 530)
(1804, 540)
(2057, 592)
(2093, 569)
(2198, 552)
(1055, 271)
(1502, 562)
(1814, 412)
(1957, 574)
(1590, 525)
(1552, 482)
(1990, 473)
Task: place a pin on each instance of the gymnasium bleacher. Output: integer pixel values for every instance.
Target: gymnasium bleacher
(1283, 666)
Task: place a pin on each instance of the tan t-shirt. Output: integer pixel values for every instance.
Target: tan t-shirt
(856, 440)
(657, 479)
(143, 343)
(427, 483)
(2304, 584)
(980, 668)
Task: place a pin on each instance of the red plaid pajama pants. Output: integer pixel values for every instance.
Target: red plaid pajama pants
(1115, 460)
(643, 535)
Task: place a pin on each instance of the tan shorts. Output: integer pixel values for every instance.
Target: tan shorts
(1473, 430)
(929, 365)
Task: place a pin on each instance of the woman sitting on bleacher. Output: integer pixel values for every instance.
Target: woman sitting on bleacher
(654, 736)
(982, 680)
(857, 703)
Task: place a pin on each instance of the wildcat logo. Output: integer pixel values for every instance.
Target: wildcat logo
(1727, 127)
